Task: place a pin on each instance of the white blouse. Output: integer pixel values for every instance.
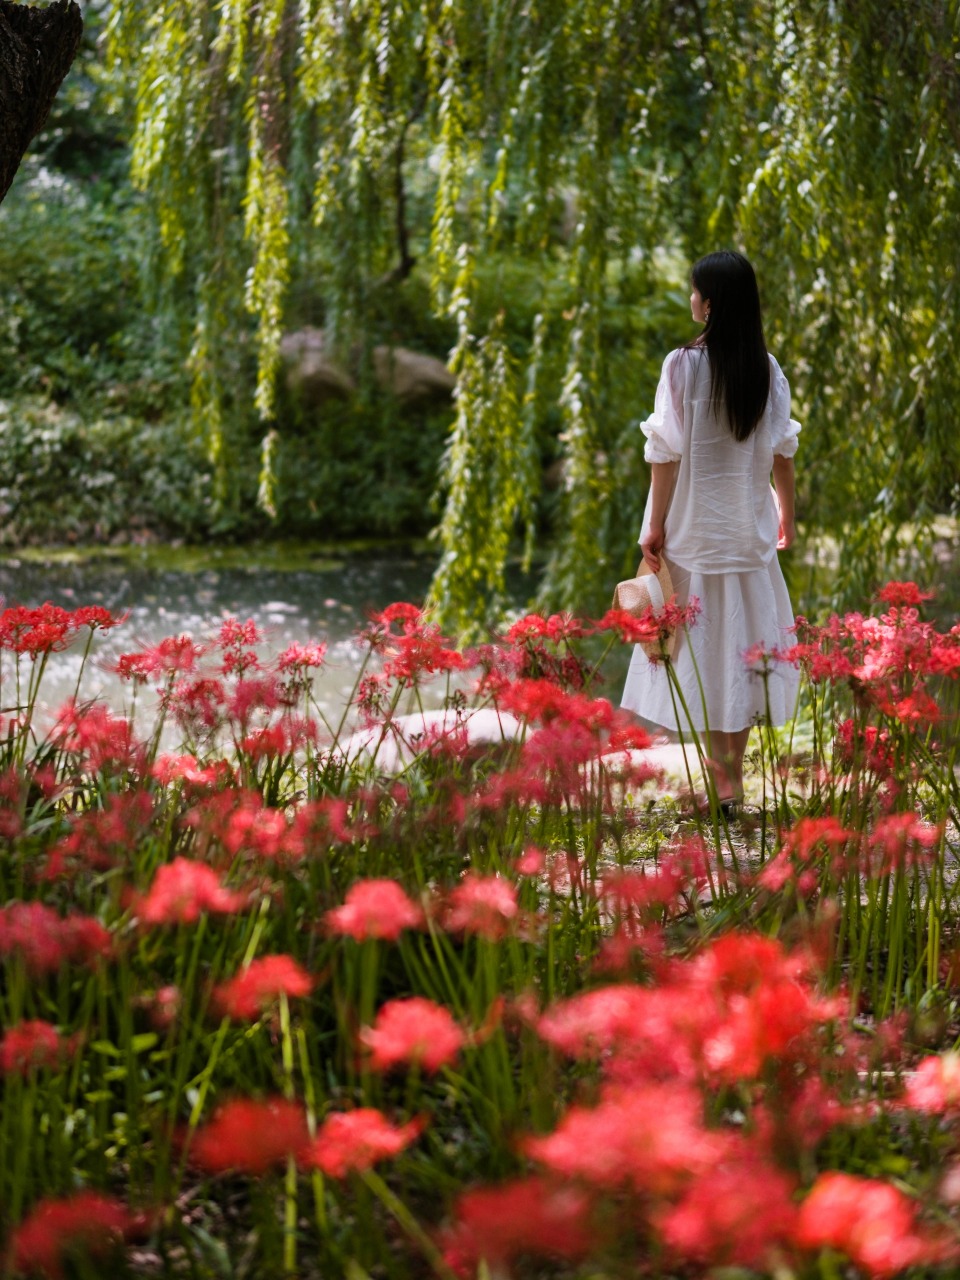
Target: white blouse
(723, 515)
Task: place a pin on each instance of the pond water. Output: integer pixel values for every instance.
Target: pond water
(293, 593)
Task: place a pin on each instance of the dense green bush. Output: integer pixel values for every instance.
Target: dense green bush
(70, 478)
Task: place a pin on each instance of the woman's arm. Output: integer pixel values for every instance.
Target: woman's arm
(661, 489)
(783, 482)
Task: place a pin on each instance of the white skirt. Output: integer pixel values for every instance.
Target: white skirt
(737, 612)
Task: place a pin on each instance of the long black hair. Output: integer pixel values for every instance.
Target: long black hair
(733, 337)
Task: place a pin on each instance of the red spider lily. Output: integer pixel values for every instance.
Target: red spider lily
(171, 656)
(557, 628)
(170, 768)
(374, 909)
(36, 631)
(629, 629)
(300, 657)
(32, 1044)
(334, 819)
(627, 891)
(46, 940)
(531, 862)
(421, 653)
(198, 705)
(935, 1085)
(97, 618)
(251, 1136)
(277, 740)
(408, 615)
(261, 984)
(590, 1024)
(236, 640)
(414, 1032)
(871, 1222)
(626, 736)
(763, 1008)
(863, 745)
(544, 701)
(351, 1141)
(55, 1230)
(760, 660)
(804, 848)
(525, 1216)
(737, 1213)
(98, 737)
(253, 827)
(99, 838)
(181, 890)
(916, 708)
(485, 905)
(250, 695)
(736, 1006)
(651, 1138)
(904, 840)
(373, 695)
(899, 594)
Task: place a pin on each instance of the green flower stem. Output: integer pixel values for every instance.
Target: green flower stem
(408, 1222)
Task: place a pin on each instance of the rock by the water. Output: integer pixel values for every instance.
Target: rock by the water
(410, 375)
(311, 375)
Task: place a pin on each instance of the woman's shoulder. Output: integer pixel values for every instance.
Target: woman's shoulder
(683, 358)
(778, 379)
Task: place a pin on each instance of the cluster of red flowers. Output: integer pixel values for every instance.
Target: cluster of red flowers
(55, 1229)
(710, 1084)
(45, 940)
(886, 660)
(252, 1137)
(33, 1044)
(744, 1012)
(48, 628)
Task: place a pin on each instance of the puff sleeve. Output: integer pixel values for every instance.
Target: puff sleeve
(664, 427)
(783, 429)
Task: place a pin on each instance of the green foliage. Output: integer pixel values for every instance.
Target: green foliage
(72, 479)
(305, 163)
(490, 470)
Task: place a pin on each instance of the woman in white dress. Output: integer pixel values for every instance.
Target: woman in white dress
(720, 428)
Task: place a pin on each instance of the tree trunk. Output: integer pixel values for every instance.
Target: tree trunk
(37, 47)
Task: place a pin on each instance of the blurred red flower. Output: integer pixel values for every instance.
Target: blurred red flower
(251, 1136)
(650, 1137)
(738, 1213)
(31, 1044)
(299, 657)
(46, 940)
(525, 1216)
(181, 890)
(414, 1031)
(261, 984)
(873, 1223)
(374, 909)
(935, 1085)
(351, 1141)
(481, 904)
(56, 1229)
(899, 594)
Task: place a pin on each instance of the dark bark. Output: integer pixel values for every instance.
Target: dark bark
(37, 47)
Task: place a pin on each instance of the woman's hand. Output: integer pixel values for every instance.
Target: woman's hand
(788, 535)
(652, 546)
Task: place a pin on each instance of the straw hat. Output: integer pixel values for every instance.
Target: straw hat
(635, 595)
